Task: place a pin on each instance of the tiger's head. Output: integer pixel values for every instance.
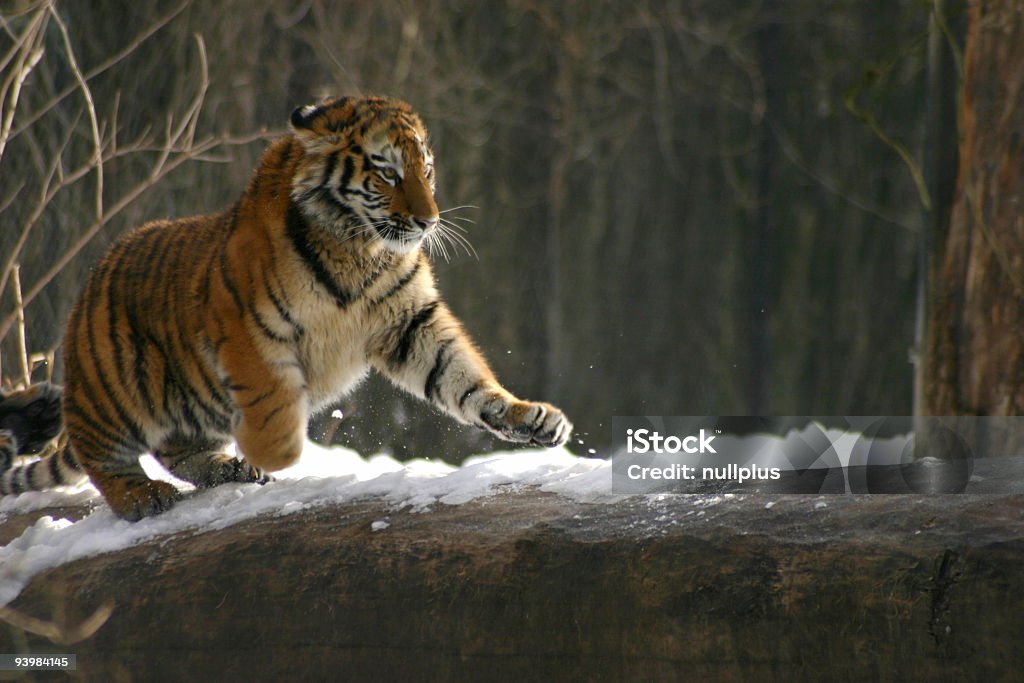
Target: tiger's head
(367, 171)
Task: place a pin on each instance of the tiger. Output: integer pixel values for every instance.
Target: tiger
(30, 419)
(238, 326)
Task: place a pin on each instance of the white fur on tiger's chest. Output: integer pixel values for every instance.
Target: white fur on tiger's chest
(332, 353)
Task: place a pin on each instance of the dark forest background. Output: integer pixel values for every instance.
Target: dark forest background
(699, 207)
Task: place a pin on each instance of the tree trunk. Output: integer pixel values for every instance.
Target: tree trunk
(976, 346)
(939, 161)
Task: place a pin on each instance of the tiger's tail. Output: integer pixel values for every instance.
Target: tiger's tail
(59, 468)
(30, 424)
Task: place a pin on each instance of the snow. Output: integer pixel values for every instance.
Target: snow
(321, 477)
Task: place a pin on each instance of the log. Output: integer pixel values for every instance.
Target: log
(534, 586)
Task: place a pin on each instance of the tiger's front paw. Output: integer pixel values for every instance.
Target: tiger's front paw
(540, 424)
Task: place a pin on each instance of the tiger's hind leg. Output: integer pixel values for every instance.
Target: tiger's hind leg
(202, 463)
(130, 492)
(116, 472)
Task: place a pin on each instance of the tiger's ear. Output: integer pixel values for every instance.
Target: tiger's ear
(320, 125)
(303, 117)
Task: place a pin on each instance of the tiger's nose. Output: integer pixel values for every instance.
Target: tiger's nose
(426, 224)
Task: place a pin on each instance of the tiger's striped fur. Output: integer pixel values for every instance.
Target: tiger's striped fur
(239, 325)
(30, 421)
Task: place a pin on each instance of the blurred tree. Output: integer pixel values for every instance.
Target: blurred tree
(976, 350)
(939, 159)
(764, 239)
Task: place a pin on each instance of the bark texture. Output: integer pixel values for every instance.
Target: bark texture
(976, 349)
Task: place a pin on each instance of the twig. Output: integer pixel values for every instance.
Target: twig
(47, 193)
(26, 122)
(869, 120)
(28, 59)
(56, 633)
(97, 158)
(19, 310)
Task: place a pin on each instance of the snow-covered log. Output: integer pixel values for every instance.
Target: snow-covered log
(529, 585)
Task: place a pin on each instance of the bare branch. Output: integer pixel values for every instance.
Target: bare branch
(19, 310)
(18, 41)
(48, 191)
(204, 85)
(28, 57)
(97, 158)
(26, 122)
(15, 192)
(57, 633)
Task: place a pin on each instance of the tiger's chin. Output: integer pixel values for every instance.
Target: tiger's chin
(403, 247)
(404, 241)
